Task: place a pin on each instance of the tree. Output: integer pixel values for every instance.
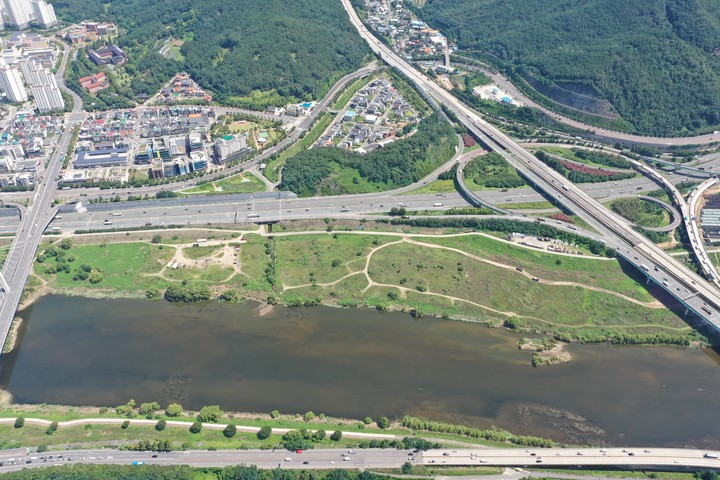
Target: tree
(174, 410)
(295, 440)
(383, 422)
(367, 420)
(211, 413)
(19, 422)
(66, 244)
(319, 435)
(274, 414)
(157, 238)
(125, 424)
(41, 448)
(147, 409)
(336, 436)
(229, 296)
(264, 432)
(195, 427)
(230, 431)
(406, 468)
(52, 428)
(160, 425)
(308, 416)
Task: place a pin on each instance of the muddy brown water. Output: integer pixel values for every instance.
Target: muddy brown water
(354, 363)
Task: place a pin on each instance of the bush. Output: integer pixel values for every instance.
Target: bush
(125, 425)
(383, 422)
(319, 436)
(52, 428)
(160, 425)
(264, 432)
(336, 436)
(274, 413)
(210, 413)
(157, 238)
(230, 431)
(187, 293)
(19, 422)
(308, 416)
(41, 448)
(367, 420)
(174, 410)
(195, 427)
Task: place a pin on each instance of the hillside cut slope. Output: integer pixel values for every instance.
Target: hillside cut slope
(655, 61)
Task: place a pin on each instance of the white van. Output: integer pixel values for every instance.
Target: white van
(437, 205)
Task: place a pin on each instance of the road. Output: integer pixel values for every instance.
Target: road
(635, 458)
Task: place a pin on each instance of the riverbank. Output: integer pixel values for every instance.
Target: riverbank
(471, 277)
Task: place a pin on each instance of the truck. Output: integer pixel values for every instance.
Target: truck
(711, 455)
(438, 204)
(565, 187)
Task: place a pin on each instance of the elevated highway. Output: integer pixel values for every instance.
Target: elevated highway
(689, 288)
(696, 240)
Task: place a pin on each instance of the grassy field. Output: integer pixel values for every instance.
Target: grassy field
(427, 276)
(4, 250)
(272, 169)
(240, 183)
(528, 205)
(436, 186)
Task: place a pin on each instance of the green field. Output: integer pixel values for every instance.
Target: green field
(240, 183)
(468, 276)
(528, 205)
(436, 186)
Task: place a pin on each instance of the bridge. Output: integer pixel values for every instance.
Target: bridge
(688, 287)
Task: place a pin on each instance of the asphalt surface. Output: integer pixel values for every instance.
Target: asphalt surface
(636, 458)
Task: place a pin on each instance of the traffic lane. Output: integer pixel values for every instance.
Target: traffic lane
(309, 459)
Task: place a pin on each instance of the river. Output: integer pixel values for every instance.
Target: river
(354, 363)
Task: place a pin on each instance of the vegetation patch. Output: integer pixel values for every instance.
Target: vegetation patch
(491, 171)
(641, 212)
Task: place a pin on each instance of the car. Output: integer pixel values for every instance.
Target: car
(299, 450)
(305, 462)
(154, 456)
(410, 454)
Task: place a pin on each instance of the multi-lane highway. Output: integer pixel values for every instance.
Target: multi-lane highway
(631, 458)
(704, 299)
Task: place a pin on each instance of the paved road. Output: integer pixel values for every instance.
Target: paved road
(636, 458)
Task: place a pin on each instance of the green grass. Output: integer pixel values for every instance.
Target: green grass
(272, 169)
(436, 186)
(528, 205)
(440, 471)
(622, 474)
(641, 212)
(301, 256)
(240, 183)
(450, 273)
(4, 250)
(125, 266)
(195, 253)
(601, 273)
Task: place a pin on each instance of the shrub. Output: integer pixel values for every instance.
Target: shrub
(383, 422)
(195, 427)
(210, 413)
(264, 432)
(125, 425)
(160, 425)
(308, 416)
(52, 428)
(336, 436)
(19, 422)
(230, 431)
(174, 410)
(274, 414)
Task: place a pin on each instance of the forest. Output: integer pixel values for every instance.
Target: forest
(286, 50)
(655, 61)
(492, 171)
(395, 165)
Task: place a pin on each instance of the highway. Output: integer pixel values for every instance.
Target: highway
(703, 299)
(631, 458)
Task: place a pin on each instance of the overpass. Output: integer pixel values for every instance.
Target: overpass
(686, 286)
(696, 240)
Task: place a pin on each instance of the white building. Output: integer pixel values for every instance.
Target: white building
(44, 14)
(43, 85)
(19, 12)
(11, 84)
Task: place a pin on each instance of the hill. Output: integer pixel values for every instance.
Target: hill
(244, 53)
(654, 61)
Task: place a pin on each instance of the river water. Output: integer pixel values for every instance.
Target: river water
(354, 363)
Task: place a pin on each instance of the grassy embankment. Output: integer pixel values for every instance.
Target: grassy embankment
(641, 212)
(241, 183)
(471, 277)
